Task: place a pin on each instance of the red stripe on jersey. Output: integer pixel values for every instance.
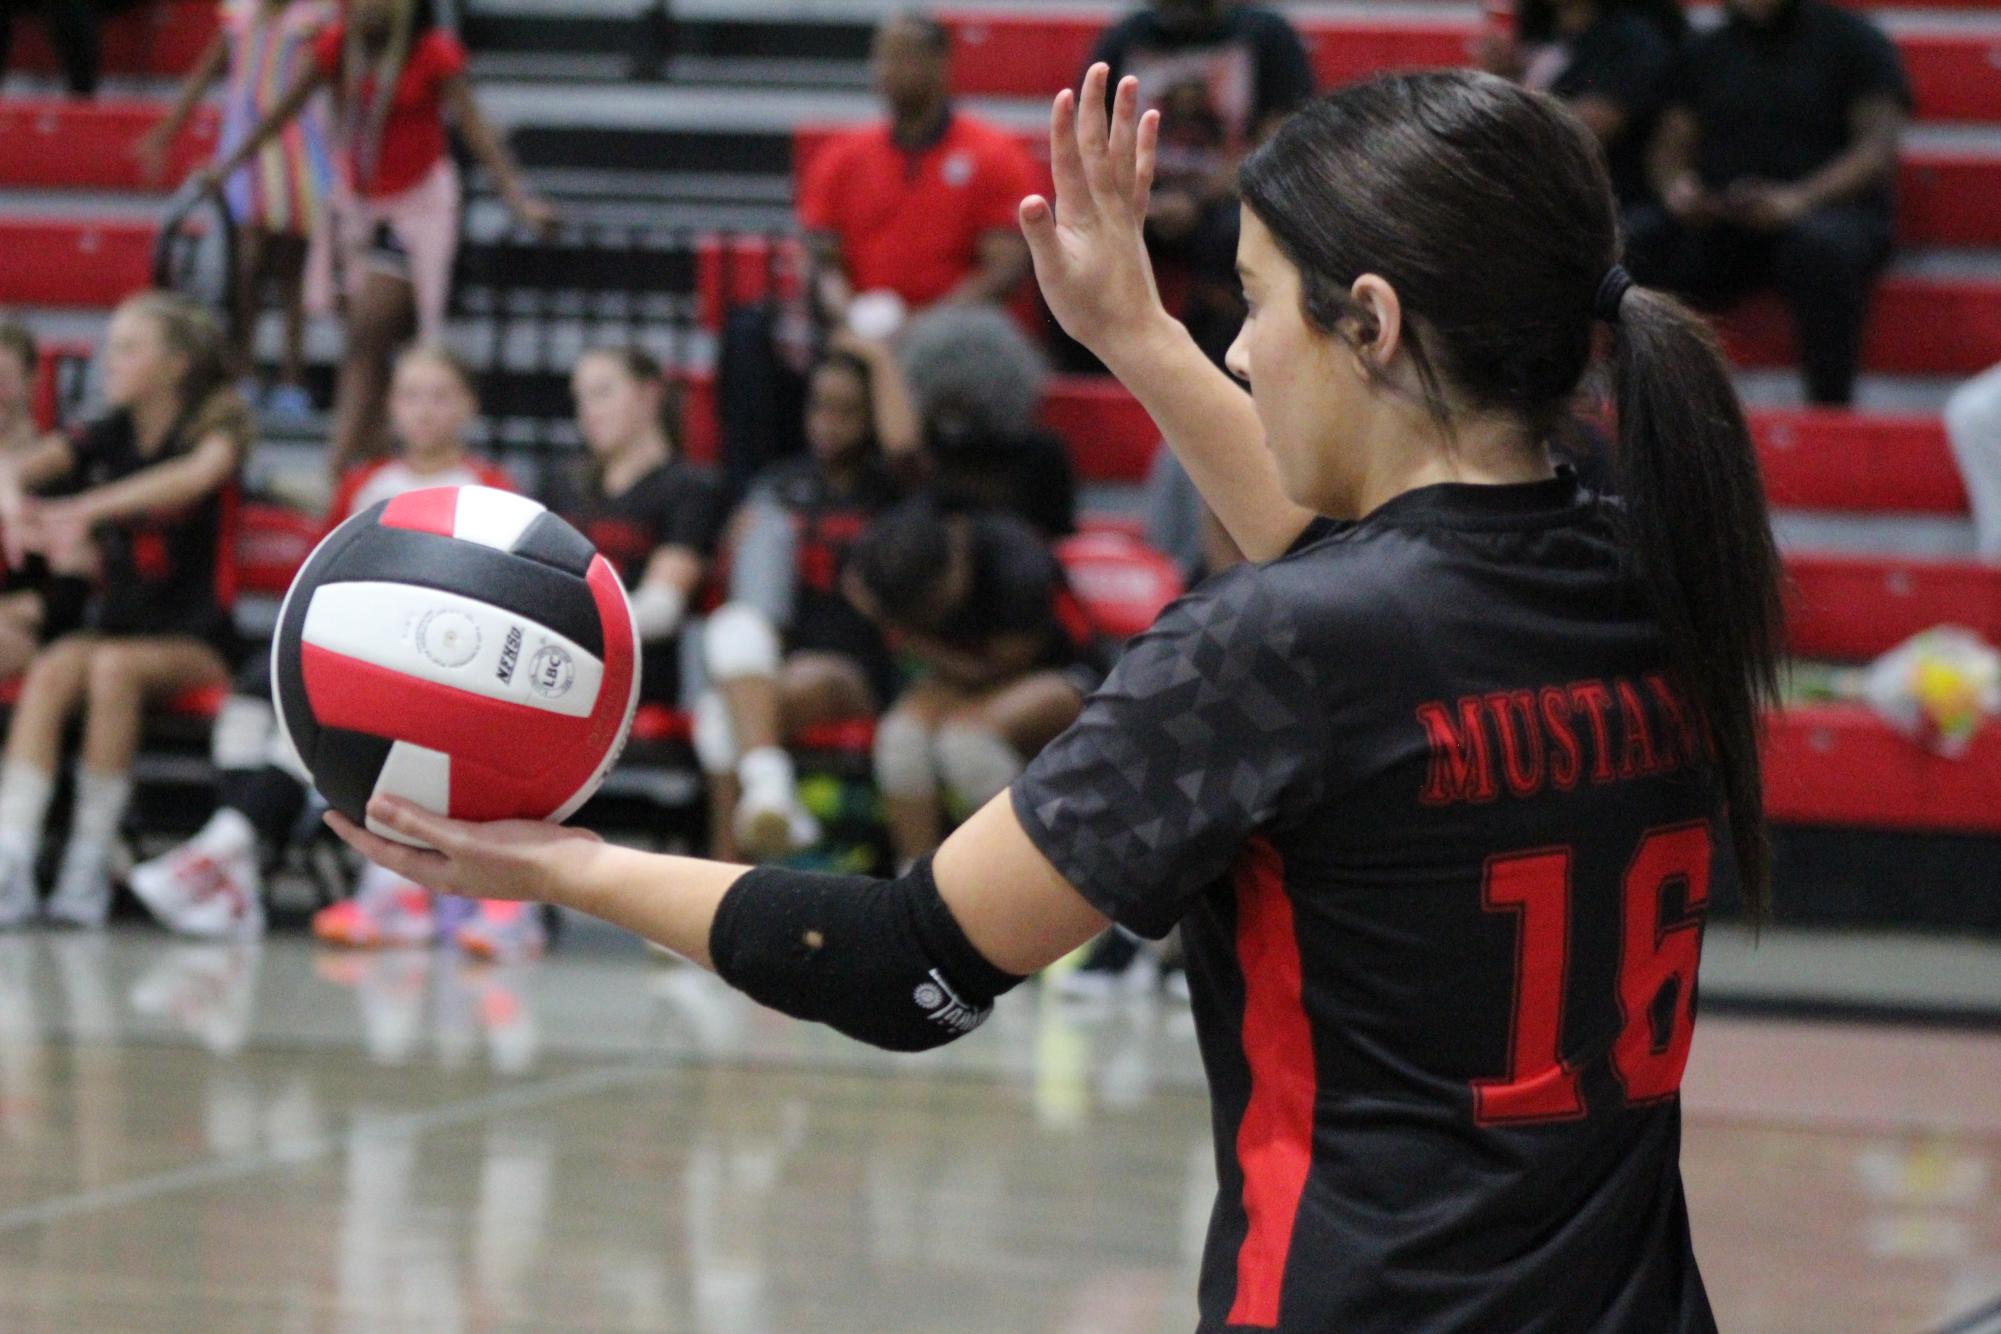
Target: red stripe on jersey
(432, 510)
(1275, 1138)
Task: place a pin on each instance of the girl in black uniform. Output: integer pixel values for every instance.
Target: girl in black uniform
(153, 496)
(1436, 786)
(654, 515)
(37, 603)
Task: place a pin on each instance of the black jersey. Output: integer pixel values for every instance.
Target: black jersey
(674, 505)
(826, 524)
(1440, 838)
(167, 573)
(1018, 588)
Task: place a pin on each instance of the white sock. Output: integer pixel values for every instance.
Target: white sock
(767, 769)
(100, 804)
(228, 833)
(24, 806)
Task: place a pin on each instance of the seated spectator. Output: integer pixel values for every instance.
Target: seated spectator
(921, 208)
(1222, 76)
(212, 885)
(787, 651)
(655, 516)
(149, 507)
(1973, 427)
(1180, 525)
(1607, 60)
(37, 604)
(1774, 162)
(1006, 650)
(977, 382)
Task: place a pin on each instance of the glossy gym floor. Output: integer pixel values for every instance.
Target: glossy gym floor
(274, 1137)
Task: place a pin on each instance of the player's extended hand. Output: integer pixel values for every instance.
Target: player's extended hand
(1087, 244)
(506, 859)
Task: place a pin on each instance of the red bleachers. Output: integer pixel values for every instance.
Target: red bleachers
(53, 262)
(52, 144)
(1839, 764)
(1856, 607)
(157, 39)
(1952, 73)
(1832, 460)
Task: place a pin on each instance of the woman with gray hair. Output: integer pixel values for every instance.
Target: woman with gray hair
(977, 381)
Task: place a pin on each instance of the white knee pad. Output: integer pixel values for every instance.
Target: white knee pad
(740, 642)
(714, 734)
(904, 763)
(244, 728)
(976, 764)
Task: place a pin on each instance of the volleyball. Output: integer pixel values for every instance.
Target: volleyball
(459, 647)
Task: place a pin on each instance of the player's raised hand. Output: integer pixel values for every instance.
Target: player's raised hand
(507, 859)
(1089, 251)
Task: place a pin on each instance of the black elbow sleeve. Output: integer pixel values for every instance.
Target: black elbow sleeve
(883, 961)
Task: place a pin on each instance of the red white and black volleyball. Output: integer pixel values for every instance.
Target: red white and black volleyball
(462, 648)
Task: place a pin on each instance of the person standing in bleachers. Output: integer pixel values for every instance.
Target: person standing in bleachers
(1608, 61)
(397, 80)
(919, 210)
(1005, 650)
(1222, 75)
(259, 52)
(152, 496)
(213, 885)
(787, 651)
(1973, 429)
(1774, 164)
(977, 381)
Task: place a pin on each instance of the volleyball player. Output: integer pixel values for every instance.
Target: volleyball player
(1436, 785)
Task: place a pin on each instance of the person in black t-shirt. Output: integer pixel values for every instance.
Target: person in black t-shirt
(1774, 164)
(151, 505)
(1435, 786)
(655, 516)
(1222, 75)
(787, 651)
(1607, 61)
(1007, 654)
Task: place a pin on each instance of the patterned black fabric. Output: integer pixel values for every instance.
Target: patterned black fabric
(1438, 836)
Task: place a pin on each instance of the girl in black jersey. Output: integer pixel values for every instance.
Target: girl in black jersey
(37, 603)
(655, 516)
(151, 500)
(1436, 786)
(786, 651)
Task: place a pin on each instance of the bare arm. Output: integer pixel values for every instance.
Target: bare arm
(491, 150)
(1090, 258)
(897, 428)
(1003, 263)
(826, 278)
(1877, 125)
(166, 485)
(678, 568)
(41, 462)
(1671, 155)
(151, 150)
(1014, 907)
(1605, 118)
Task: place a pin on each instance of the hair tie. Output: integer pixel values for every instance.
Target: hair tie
(1611, 293)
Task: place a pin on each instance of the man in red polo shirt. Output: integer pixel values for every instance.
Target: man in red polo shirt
(923, 206)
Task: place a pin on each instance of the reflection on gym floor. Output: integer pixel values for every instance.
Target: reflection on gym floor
(272, 1137)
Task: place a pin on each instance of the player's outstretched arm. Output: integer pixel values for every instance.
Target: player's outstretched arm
(1089, 250)
(907, 964)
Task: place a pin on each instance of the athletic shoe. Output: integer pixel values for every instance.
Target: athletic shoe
(504, 932)
(83, 891)
(17, 889)
(385, 913)
(770, 822)
(195, 892)
(1115, 966)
